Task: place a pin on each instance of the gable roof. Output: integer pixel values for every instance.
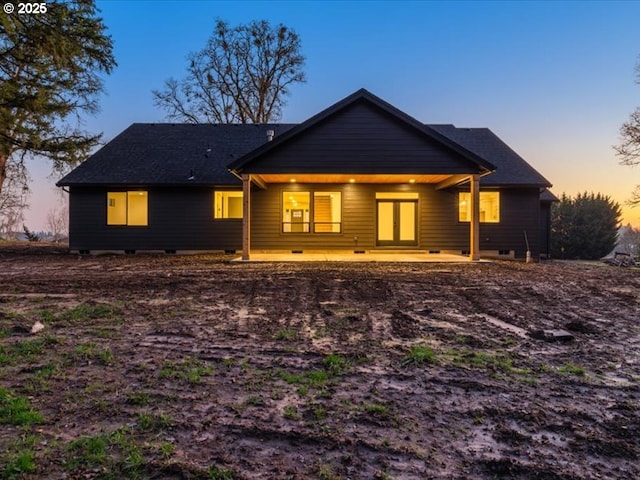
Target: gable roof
(170, 154)
(201, 154)
(359, 97)
(511, 168)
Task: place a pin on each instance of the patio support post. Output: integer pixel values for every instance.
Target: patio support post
(474, 230)
(246, 216)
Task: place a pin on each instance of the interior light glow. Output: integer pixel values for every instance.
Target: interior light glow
(352, 180)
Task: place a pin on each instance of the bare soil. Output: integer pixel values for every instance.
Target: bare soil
(180, 367)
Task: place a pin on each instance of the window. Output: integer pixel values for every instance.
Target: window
(127, 208)
(295, 212)
(298, 209)
(489, 207)
(227, 205)
(327, 212)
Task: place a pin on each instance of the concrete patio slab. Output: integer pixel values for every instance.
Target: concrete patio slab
(356, 257)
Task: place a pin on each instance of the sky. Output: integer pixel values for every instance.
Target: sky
(554, 80)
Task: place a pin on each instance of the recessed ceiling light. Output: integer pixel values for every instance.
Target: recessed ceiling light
(352, 180)
(412, 180)
(293, 180)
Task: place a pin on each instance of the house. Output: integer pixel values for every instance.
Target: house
(359, 176)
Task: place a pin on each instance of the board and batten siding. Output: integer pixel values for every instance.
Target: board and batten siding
(361, 139)
(178, 219)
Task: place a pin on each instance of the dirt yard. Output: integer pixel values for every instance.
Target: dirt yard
(178, 367)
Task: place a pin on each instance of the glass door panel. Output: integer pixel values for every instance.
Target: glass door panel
(385, 221)
(407, 223)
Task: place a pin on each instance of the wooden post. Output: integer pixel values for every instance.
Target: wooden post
(474, 230)
(246, 217)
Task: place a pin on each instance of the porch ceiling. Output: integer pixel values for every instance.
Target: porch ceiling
(351, 178)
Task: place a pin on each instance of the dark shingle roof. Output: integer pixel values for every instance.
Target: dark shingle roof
(188, 154)
(169, 154)
(511, 168)
(548, 196)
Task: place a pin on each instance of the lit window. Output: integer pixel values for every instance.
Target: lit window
(327, 212)
(227, 205)
(117, 208)
(127, 208)
(489, 207)
(295, 212)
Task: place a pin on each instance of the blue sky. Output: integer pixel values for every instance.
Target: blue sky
(553, 79)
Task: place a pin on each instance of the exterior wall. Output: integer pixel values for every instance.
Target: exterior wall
(179, 219)
(361, 139)
(438, 225)
(182, 219)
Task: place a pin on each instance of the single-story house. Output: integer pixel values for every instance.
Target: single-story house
(359, 176)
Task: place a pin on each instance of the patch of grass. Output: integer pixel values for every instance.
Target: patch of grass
(228, 362)
(19, 464)
(116, 455)
(312, 379)
(139, 398)
(336, 364)
(190, 370)
(91, 352)
(419, 355)
(46, 316)
(376, 409)
(571, 369)
(217, 473)
(478, 359)
(15, 410)
(254, 400)
(25, 350)
(154, 422)
(166, 450)
(291, 412)
(90, 311)
(326, 472)
(286, 334)
(87, 451)
(319, 412)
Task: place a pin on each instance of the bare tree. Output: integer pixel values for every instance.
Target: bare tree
(629, 241)
(241, 76)
(629, 148)
(58, 222)
(13, 198)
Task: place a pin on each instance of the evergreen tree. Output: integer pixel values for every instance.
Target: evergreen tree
(50, 66)
(584, 227)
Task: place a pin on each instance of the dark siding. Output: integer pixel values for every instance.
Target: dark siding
(545, 228)
(361, 139)
(179, 219)
(519, 213)
(438, 227)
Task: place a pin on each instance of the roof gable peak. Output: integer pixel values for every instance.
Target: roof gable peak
(360, 95)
